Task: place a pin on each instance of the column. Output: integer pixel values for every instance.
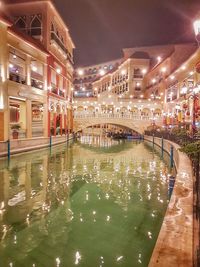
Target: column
(4, 98)
(28, 70)
(54, 123)
(28, 119)
(46, 120)
(61, 118)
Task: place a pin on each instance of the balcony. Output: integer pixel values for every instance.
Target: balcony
(16, 77)
(37, 84)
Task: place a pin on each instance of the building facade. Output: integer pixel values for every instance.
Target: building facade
(36, 59)
(150, 81)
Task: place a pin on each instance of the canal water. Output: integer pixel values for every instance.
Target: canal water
(92, 203)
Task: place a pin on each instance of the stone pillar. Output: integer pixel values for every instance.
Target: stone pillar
(28, 119)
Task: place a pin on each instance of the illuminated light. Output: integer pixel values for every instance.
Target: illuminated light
(164, 69)
(159, 59)
(184, 90)
(76, 93)
(144, 71)
(102, 72)
(120, 258)
(161, 94)
(183, 67)
(14, 56)
(196, 90)
(153, 80)
(58, 70)
(58, 262)
(77, 257)
(95, 89)
(137, 84)
(11, 65)
(172, 77)
(196, 26)
(123, 72)
(109, 96)
(83, 89)
(1, 102)
(141, 96)
(191, 72)
(80, 72)
(72, 89)
(109, 88)
(34, 68)
(131, 96)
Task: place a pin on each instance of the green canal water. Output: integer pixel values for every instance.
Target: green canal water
(92, 203)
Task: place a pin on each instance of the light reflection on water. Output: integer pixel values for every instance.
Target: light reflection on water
(82, 205)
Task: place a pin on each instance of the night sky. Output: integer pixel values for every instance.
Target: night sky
(101, 28)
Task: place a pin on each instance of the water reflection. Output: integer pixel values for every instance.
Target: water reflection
(78, 206)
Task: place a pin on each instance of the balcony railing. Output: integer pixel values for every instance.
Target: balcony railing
(16, 77)
(37, 84)
(138, 117)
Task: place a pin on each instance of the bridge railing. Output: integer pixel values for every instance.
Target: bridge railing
(116, 116)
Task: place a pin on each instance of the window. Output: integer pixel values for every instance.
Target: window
(21, 23)
(36, 26)
(137, 73)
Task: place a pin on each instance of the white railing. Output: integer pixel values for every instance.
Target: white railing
(115, 116)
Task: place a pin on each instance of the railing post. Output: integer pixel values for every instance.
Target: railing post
(8, 148)
(162, 147)
(153, 139)
(171, 157)
(50, 141)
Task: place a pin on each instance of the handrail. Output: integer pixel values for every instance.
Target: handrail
(116, 116)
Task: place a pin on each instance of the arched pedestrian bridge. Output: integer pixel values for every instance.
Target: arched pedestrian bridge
(137, 123)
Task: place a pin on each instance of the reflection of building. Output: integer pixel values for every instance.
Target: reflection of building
(36, 68)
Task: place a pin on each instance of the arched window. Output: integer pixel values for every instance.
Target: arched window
(21, 23)
(36, 26)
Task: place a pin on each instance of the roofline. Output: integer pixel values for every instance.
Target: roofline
(58, 15)
(157, 45)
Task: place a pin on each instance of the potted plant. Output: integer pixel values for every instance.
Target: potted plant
(15, 130)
